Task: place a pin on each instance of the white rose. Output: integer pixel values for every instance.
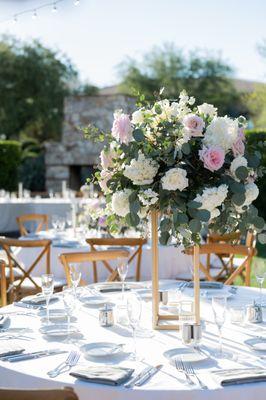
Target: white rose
(137, 117)
(141, 171)
(148, 197)
(207, 110)
(212, 198)
(251, 193)
(222, 132)
(120, 202)
(175, 179)
(239, 161)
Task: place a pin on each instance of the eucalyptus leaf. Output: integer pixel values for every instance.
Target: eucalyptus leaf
(239, 199)
(203, 215)
(237, 187)
(259, 222)
(165, 224)
(253, 161)
(194, 204)
(132, 219)
(164, 238)
(195, 225)
(262, 238)
(186, 149)
(135, 206)
(180, 218)
(138, 135)
(242, 173)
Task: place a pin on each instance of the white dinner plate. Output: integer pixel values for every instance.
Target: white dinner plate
(101, 349)
(58, 330)
(258, 344)
(210, 293)
(185, 354)
(93, 301)
(55, 315)
(109, 287)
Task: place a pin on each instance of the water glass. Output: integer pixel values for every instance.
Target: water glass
(69, 301)
(47, 282)
(75, 276)
(219, 308)
(55, 222)
(237, 315)
(134, 308)
(260, 273)
(122, 269)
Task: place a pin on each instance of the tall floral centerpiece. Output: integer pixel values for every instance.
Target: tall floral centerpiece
(185, 162)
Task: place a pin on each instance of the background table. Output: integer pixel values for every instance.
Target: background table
(167, 384)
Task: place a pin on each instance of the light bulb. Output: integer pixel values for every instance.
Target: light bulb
(34, 15)
(54, 9)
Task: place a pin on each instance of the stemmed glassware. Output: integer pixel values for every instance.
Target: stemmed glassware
(69, 301)
(47, 281)
(260, 273)
(122, 269)
(75, 276)
(55, 222)
(134, 307)
(219, 307)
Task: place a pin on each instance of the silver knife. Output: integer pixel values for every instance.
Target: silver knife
(148, 375)
(31, 306)
(30, 356)
(132, 381)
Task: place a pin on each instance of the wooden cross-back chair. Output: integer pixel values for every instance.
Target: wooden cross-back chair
(23, 282)
(3, 283)
(40, 219)
(228, 262)
(92, 256)
(66, 393)
(135, 243)
(224, 248)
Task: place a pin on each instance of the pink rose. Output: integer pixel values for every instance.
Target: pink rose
(122, 129)
(193, 124)
(238, 147)
(213, 157)
(105, 177)
(106, 158)
(241, 134)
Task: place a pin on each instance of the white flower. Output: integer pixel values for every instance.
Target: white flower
(141, 171)
(120, 202)
(251, 193)
(148, 197)
(212, 198)
(138, 117)
(175, 179)
(222, 132)
(237, 162)
(207, 110)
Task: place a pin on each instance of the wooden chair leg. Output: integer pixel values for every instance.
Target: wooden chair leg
(95, 272)
(3, 285)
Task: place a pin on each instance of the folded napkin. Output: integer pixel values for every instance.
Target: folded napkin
(10, 350)
(228, 377)
(38, 300)
(207, 285)
(104, 374)
(3, 320)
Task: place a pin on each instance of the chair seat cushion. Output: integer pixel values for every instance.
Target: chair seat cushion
(28, 285)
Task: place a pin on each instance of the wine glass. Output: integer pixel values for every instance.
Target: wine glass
(75, 276)
(55, 222)
(69, 219)
(134, 307)
(47, 282)
(122, 269)
(219, 304)
(69, 301)
(260, 272)
(61, 224)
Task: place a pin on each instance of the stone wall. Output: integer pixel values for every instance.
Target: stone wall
(74, 150)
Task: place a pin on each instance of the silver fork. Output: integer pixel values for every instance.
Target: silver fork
(180, 367)
(190, 371)
(66, 365)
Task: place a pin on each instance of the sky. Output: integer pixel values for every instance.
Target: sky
(98, 34)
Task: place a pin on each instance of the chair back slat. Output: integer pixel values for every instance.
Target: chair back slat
(137, 243)
(67, 258)
(40, 219)
(3, 283)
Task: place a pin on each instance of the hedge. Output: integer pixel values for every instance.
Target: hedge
(10, 158)
(255, 136)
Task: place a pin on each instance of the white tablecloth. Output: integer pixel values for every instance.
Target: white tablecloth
(168, 384)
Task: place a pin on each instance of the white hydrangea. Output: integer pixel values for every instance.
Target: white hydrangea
(207, 110)
(237, 162)
(148, 197)
(141, 171)
(251, 193)
(138, 117)
(222, 132)
(120, 202)
(212, 198)
(175, 178)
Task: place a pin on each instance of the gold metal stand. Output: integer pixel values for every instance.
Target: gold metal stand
(158, 320)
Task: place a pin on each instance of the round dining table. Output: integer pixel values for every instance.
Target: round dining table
(152, 349)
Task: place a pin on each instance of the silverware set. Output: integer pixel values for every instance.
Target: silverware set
(182, 286)
(187, 369)
(143, 376)
(32, 355)
(66, 365)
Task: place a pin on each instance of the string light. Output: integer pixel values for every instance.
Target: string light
(35, 11)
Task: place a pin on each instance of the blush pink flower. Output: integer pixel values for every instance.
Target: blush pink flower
(241, 134)
(193, 124)
(122, 128)
(105, 177)
(212, 157)
(106, 158)
(238, 147)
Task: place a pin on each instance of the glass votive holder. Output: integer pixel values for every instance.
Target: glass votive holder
(237, 314)
(186, 310)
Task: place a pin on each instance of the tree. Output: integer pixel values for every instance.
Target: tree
(33, 84)
(203, 76)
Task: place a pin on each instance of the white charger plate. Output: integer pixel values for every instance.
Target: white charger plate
(101, 349)
(185, 354)
(58, 330)
(93, 301)
(257, 344)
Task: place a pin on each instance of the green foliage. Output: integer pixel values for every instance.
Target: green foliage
(255, 138)
(10, 156)
(202, 75)
(32, 173)
(33, 83)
